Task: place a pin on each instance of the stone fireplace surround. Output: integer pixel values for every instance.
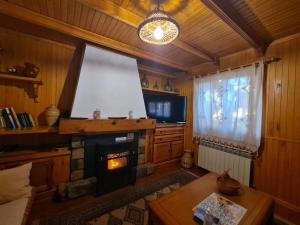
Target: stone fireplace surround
(81, 184)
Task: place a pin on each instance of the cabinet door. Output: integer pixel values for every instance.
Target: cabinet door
(177, 148)
(161, 152)
(41, 175)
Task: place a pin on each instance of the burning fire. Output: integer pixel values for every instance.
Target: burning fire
(117, 163)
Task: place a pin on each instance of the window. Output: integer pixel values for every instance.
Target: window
(228, 106)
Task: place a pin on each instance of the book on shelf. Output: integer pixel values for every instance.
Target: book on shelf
(15, 118)
(216, 209)
(9, 119)
(2, 121)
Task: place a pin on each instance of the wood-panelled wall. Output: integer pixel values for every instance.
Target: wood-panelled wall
(277, 171)
(53, 59)
(58, 65)
(185, 87)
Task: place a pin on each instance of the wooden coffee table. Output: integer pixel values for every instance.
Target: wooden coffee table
(176, 208)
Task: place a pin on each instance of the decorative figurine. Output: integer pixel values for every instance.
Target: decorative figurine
(130, 114)
(97, 114)
(145, 82)
(31, 70)
(155, 86)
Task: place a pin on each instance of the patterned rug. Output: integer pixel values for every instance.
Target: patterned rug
(134, 213)
(123, 207)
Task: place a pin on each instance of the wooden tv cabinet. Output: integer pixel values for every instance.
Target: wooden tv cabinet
(168, 142)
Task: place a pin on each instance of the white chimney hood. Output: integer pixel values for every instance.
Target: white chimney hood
(110, 82)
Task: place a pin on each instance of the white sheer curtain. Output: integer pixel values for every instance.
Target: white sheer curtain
(228, 107)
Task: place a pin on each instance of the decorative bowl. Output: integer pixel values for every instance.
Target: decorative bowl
(227, 185)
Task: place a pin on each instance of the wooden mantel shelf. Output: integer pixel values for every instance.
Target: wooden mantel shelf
(77, 126)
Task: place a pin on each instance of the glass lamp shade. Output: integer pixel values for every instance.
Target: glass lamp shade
(158, 29)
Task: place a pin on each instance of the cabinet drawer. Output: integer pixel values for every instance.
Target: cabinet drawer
(161, 152)
(177, 148)
(166, 138)
(169, 130)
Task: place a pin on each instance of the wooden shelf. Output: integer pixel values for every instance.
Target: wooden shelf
(159, 91)
(34, 130)
(7, 76)
(34, 81)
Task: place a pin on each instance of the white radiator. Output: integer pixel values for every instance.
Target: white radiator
(218, 161)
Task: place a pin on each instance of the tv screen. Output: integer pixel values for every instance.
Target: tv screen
(166, 108)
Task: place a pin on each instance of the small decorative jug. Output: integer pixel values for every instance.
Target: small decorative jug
(187, 159)
(51, 115)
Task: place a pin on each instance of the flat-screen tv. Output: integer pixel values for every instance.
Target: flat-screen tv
(166, 108)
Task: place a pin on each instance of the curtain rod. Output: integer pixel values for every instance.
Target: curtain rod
(265, 61)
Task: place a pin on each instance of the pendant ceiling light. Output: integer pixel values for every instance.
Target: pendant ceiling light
(158, 28)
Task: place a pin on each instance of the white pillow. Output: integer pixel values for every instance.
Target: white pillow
(14, 183)
(13, 213)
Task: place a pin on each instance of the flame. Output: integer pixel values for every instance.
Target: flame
(116, 163)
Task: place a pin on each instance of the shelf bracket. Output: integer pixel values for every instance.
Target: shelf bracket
(36, 92)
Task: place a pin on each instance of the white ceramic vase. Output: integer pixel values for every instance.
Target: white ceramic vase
(51, 115)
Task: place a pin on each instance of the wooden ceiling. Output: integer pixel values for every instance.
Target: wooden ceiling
(209, 29)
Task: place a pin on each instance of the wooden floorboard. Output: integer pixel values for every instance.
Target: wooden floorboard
(46, 209)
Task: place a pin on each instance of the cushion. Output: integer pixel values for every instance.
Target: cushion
(14, 212)
(15, 183)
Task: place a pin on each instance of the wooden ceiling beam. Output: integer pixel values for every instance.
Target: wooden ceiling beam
(118, 12)
(29, 16)
(226, 13)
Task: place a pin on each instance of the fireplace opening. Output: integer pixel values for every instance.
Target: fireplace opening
(112, 159)
(117, 160)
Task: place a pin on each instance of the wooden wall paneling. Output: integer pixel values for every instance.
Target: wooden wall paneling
(277, 94)
(59, 64)
(297, 95)
(186, 87)
(292, 92)
(71, 11)
(52, 58)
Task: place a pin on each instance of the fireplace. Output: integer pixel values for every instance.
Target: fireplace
(112, 159)
(102, 151)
